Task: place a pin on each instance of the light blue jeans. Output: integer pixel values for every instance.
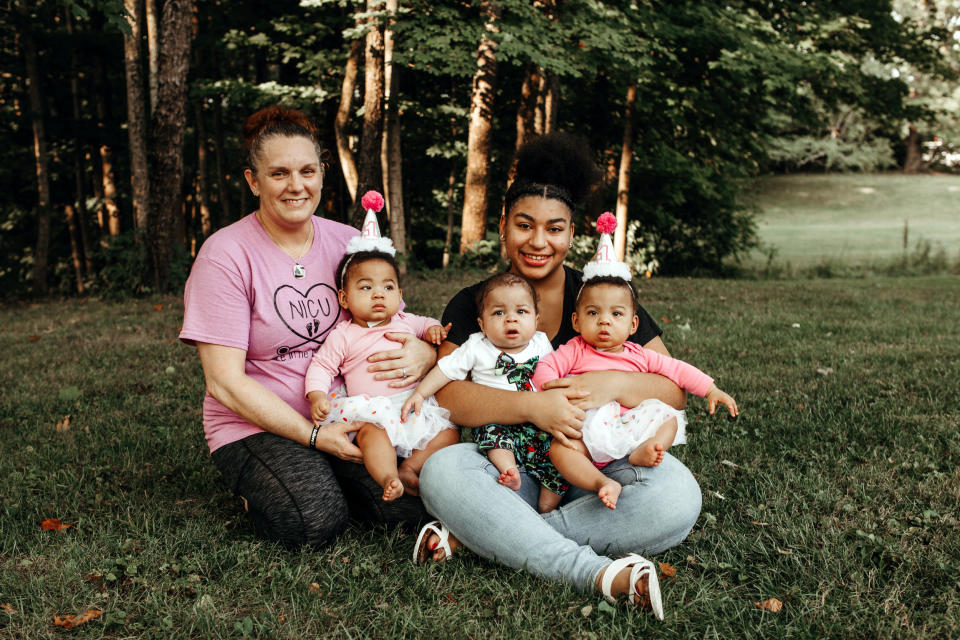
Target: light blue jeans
(656, 510)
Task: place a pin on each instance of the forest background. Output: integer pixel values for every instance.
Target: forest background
(120, 119)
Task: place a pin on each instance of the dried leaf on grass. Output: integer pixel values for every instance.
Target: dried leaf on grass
(71, 621)
(586, 611)
(158, 307)
(63, 424)
(7, 608)
(52, 524)
(770, 604)
(33, 338)
(667, 570)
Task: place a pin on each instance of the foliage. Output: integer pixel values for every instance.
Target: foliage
(725, 91)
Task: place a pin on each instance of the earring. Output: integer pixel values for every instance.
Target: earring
(570, 246)
(502, 237)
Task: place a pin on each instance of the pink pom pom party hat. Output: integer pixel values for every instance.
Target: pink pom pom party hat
(370, 238)
(604, 262)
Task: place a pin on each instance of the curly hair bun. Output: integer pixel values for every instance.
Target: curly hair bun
(559, 159)
(275, 119)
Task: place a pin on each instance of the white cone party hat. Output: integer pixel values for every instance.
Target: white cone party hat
(605, 261)
(370, 238)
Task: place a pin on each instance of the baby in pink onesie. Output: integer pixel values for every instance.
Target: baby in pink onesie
(605, 318)
(369, 289)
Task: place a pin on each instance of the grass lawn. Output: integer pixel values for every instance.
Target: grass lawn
(855, 218)
(835, 492)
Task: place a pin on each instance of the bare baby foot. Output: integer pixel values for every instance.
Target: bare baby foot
(410, 480)
(510, 478)
(609, 493)
(392, 489)
(648, 454)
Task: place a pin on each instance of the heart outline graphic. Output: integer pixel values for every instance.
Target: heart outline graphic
(314, 321)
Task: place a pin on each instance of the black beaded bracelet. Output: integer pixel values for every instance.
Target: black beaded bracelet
(313, 436)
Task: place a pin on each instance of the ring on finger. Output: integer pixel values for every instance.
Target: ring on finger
(403, 373)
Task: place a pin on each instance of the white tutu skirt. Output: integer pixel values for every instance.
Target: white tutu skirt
(384, 411)
(610, 436)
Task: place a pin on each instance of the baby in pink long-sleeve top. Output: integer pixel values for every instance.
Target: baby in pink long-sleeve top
(369, 289)
(605, 318)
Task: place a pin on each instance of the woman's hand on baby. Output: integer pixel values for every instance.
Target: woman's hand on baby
(319, 406)
(716, 395)
(437, 334)
(554, 411)
(405, 365)
(588, 390)
(413, 403)
(334, 439)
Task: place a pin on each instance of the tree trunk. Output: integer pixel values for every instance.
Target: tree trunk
(525, 114)
(913, 160)
(109, 211)
(203, 191)
(137, 109)
(41, 253)
(152, 49)
(475, 196)
(451, 194)
(168, 122)
(347, 162)
(223, 190)
(369, 172)
(551, 102)
(71, 215)
(623, 178)
(392, 154)
(77, 220)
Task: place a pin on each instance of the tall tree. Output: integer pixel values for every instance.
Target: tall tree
(623, 175)
(475, 195)
(166, 185)
(42, 250)
(392, 155)
(137, 110)
(348, 163)
(369, 172)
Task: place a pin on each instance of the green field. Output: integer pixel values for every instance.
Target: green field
(855, 218)
(835, 492)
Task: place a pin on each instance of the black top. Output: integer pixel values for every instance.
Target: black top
(462, 312)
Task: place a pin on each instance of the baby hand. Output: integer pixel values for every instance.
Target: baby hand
(715, 395)
(414, 403)
(319, 405)
(437, 334)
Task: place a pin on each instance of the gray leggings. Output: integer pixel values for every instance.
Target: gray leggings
(296, 496)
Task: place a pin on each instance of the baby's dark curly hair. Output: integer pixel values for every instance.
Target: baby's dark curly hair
(350, 261)
(505, 279)
(558, 166)
(612, 280)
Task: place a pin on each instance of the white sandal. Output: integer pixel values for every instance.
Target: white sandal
(442, 532)
(640, 566)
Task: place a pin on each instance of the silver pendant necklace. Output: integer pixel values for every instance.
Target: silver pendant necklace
(299, 271)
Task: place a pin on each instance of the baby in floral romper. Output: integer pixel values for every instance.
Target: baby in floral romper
(503, 355)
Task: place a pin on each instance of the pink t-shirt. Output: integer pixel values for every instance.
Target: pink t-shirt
(242, 293)
(577, 356)
(346, 349)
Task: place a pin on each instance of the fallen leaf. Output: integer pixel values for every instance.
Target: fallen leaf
(691, 560)
(63, 424)
(158, 307)
(586, 611)
(450, 598)
(665, 319)
(71, 621)
(667, 570)
(786, 552)
(824, 371)
(345, 560)
(33, 338)
(313, 588)
(728, 463)
(772, 605)
(760, 524)
(52, 524)
(718, 496)
(7, 608)
(800, 406)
